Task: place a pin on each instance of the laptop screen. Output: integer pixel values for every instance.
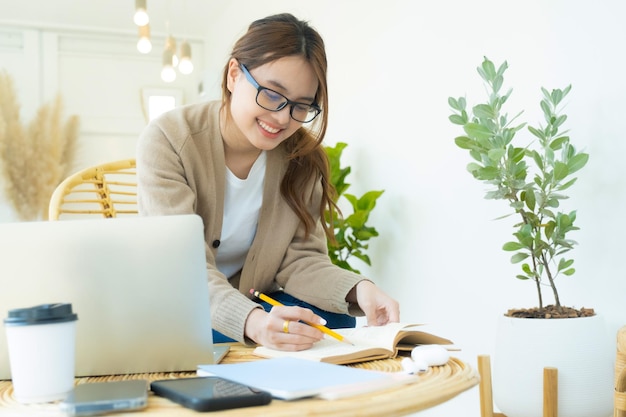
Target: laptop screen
(137, 284)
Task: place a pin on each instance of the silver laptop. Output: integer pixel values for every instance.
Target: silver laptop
(137, 284)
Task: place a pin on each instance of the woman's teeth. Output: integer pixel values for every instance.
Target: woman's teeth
(268, 128)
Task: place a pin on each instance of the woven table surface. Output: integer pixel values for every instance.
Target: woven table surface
(435, 386)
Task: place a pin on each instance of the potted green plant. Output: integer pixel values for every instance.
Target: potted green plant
(532, 174)
(352, 232)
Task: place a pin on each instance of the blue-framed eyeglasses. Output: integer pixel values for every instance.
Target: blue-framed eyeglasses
(274, 101)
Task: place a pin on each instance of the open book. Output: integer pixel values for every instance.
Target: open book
(376, 342)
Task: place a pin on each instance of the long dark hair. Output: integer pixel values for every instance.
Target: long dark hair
(267, 40)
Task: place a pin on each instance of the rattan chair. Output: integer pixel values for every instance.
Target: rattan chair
(550, 384)
(619, 399)
(105, 190)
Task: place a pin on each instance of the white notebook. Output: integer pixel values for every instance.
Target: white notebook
(290, 378)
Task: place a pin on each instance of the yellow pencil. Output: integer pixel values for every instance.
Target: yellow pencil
(324, 329)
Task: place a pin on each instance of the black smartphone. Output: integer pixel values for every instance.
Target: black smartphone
(105, 397)
(209, 393)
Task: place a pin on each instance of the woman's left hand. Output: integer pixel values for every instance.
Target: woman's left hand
(378, 307)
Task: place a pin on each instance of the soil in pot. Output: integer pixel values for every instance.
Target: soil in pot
(550, 312)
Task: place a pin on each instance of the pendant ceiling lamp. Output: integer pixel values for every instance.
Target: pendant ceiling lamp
(144, 45)
(141, 17)
(170, 44)
(168, 73)
(170, 59)
(185, 66)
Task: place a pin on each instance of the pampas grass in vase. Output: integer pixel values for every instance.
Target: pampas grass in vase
(35, 158)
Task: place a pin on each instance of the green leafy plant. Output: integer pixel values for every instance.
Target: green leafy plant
(352, 233)
(531, 177)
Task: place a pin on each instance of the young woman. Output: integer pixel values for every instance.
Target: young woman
(253, 167)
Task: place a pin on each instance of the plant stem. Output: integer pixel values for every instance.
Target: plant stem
(557, 302)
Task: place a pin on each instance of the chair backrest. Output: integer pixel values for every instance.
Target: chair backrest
(105, 190)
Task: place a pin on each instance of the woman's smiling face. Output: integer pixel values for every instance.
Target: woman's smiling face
(291, 76)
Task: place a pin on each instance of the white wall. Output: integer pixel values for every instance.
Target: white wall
(393, 65)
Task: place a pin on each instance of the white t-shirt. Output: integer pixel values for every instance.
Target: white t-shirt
(242, 203)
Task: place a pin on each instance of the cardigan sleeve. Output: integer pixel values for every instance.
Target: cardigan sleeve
(307, 272)
(309, 275)
(175, 175)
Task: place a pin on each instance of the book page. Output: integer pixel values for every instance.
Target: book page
(377, 341)
(324, 349)
(374, 336)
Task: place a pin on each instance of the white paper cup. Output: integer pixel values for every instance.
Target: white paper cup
(41, 343)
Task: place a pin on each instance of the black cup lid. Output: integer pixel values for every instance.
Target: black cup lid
(41, 314)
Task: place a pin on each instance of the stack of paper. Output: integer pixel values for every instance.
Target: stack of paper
(292, 378)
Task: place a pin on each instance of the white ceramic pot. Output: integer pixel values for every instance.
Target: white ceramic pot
(580, 350)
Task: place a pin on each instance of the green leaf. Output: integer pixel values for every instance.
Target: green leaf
(512, 246)
(516, 154)
(497, 83)
(473, 167)
(502, 68)
(546, 110)
(566, 90)
(477, 131)
(529, 199)
(352, 199)
(552, 202)
(487, 173)
(476, 155)
(518, 257)
(556, 96)
(365, 233)
(536, 132)
(559, 120)
(566, 185)
(537, 158)
(484, 111)
(489, 69)
(456, 119)
(464, 142)
(563, 264)
(560, 170)
(367, 201)
(363, 257)
(577, 162)
(452, 102)
(496, 154)
(557, 143)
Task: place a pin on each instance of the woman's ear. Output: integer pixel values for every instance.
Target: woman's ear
(232, 74)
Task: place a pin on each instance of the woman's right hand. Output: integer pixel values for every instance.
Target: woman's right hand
(283, 328)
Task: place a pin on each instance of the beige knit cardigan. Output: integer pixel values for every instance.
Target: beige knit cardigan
(181, 170)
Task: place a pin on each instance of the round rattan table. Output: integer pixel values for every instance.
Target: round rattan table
(434, 387)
